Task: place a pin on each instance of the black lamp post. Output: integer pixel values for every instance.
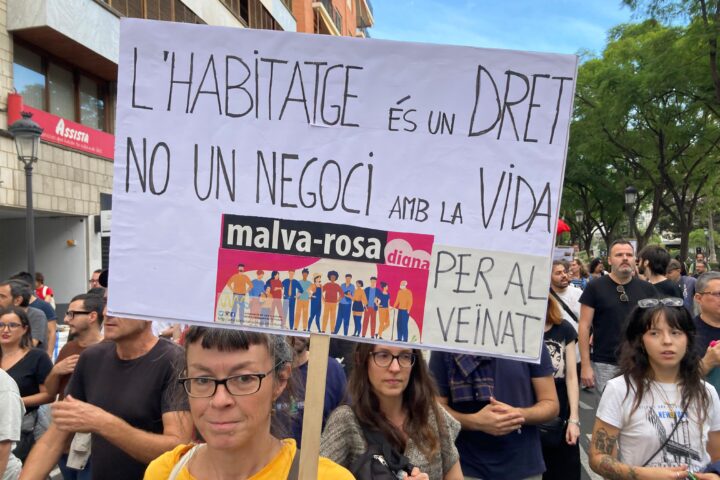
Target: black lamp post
(631, 195)
(579, 217)
(26, 134)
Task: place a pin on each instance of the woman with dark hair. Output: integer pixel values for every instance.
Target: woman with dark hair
(597, 269)
(28, 366)
(562, 456)
(658, 419)
(232, 379)
(393, 395)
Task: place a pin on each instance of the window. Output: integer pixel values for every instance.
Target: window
(29, 77)
(171, 10)
(92, 103)
(62, 96)
(53, 86)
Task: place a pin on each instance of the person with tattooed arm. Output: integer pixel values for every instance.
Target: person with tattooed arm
(659, 419)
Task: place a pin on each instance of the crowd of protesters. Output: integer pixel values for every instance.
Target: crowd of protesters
(126, 399)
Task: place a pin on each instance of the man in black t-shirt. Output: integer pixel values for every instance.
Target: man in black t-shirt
(125, 393)
(605, 304)
(653, 263)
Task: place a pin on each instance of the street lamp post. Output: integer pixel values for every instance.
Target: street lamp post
(26, 134)
(579, 217)
(631, 195)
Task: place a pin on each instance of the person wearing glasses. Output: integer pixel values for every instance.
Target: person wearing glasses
(94, 281)
(658, 419)
(232, 379)
(28, 366)
(84, 316)
(18, 293)
(124, 392)
(707, 299)
(391, 392)
(604, 306)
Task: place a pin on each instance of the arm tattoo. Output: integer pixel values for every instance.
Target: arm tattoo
(608, 466)
(605, 443)
(611, 469)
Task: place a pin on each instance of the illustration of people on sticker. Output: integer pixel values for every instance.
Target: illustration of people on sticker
(301, 304)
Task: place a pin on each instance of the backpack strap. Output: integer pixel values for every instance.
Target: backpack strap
(295, 466)
(182, 462)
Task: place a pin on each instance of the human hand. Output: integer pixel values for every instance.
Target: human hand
(712, 355)
(498, 418)
(663, 473)
(66, 365)
(572, 433)
(417, 475)
(587, 376)
(71, 415)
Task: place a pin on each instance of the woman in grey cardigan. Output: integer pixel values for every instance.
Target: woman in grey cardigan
(392, 393)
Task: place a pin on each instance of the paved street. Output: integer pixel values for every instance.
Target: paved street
(588, 405)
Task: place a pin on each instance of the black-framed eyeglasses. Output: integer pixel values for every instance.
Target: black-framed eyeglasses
(623, 296)
(654, 302)
(236, 385)
(10, 326)
(71, 313)
(384, 359)
(714, 294)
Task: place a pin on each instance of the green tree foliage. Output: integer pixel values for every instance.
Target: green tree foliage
(641, 119)
(703, 17)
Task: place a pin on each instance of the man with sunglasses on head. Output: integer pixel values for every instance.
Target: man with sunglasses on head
(604, 306)
(707, 299)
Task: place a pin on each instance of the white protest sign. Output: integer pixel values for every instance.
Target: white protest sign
(381, 190)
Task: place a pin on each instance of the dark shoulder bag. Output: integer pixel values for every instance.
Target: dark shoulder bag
(552, 433)
(380, 461)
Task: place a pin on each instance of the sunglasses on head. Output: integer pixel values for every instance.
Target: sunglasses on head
(654, 302)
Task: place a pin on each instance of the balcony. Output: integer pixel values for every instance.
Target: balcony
(362, 32)
(330, 17)
(81, 31)
(365, 18)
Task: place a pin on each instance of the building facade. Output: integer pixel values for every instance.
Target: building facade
(59, 61)
(349, 18)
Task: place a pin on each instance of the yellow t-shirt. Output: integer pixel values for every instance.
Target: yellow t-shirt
(278, 468)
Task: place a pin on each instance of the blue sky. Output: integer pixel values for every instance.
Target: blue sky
(560, 26)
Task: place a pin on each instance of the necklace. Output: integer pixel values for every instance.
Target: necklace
(665, 399)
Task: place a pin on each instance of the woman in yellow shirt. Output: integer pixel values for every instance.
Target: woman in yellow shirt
(232, 379)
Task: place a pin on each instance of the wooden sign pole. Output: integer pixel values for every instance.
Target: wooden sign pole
(314, 404)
